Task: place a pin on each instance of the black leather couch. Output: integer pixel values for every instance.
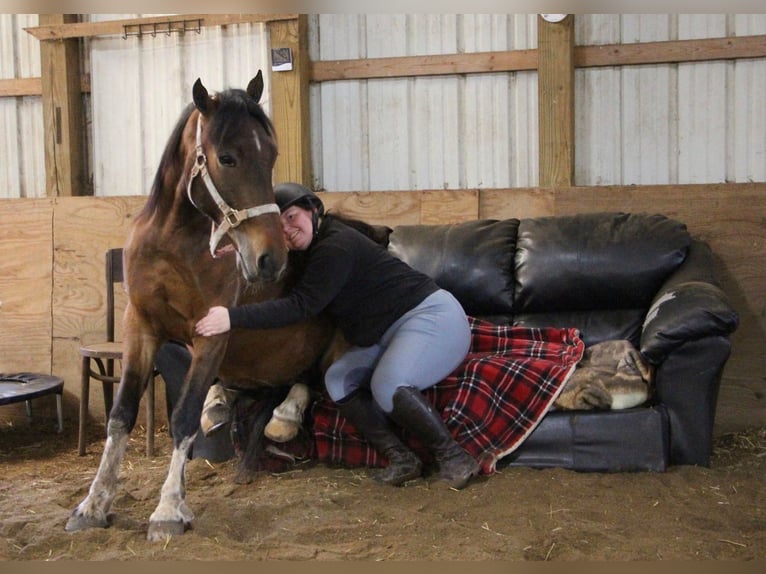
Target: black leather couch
(640, 277)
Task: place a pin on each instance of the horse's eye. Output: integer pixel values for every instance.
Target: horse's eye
(227, 160)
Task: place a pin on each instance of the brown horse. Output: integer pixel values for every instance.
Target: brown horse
(213, 187)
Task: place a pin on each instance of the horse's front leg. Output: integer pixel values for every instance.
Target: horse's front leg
(172, 515)
(138, 358)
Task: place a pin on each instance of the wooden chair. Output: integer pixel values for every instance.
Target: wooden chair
(104, 355)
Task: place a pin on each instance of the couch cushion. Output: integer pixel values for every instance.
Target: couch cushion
(595, 261)
(594, 326)
(472, 260)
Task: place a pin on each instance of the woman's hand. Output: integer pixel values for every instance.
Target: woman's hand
(215, 322)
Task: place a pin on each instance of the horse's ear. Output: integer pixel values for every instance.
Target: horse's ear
(200, 96)
(255, 87)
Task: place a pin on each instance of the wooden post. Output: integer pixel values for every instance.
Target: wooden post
(290, 102)
(62, 112)
(555, 85)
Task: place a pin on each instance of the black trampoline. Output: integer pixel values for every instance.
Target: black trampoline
(17, 387)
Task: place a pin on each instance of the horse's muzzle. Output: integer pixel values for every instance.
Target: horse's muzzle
(270, 268)
(265, 267)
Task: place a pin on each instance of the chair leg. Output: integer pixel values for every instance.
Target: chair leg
(60, 413)
(84, 393)
(150, 418)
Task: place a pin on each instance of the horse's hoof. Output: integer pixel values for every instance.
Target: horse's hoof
(79, 522)
(164, 529)
(280, 430)
(214, 418)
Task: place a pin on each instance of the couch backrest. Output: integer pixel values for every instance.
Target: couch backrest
(472, 260)
(597, 272)
(595, 261)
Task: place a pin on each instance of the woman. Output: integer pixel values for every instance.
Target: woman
(406, 333)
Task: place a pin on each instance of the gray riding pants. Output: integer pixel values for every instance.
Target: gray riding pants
(420, 349)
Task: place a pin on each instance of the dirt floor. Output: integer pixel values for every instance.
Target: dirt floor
(324, 513)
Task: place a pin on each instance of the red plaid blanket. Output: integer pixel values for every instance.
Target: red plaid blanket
(490, 403)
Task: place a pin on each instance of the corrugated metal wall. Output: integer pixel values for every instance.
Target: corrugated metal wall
(670, 123)
(140, 85)
(22, 159)
(445, 132)
(654, 124)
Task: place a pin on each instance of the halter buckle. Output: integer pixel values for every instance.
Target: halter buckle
(233, 217)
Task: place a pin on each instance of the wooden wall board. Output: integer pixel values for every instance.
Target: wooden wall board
(83, 229)
(449, 206)
(26, 277)
(53, 296)
(379, 207)
(519, 203)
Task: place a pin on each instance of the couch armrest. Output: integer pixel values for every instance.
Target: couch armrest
(687, 384)
(689, 306)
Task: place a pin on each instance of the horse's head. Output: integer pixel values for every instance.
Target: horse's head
(229, 181)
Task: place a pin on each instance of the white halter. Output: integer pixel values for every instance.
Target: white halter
(231, 217)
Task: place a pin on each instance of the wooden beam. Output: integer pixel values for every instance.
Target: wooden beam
(555, 88)
(21, 87)
(62, 113)
(408, 66)
(675, 51)
(290, 102)
(59, 31)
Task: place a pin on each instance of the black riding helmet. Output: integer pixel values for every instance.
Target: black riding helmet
(289, 194)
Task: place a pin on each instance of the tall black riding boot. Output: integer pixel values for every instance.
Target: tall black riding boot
(414, 413)
(403, 464)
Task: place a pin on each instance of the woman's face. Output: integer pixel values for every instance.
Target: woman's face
(298, 227)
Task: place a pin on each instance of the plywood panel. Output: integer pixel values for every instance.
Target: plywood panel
(51, 257)
(516, 203)
(381, 208)
(440, 207)
(26, 278)
(84, 228)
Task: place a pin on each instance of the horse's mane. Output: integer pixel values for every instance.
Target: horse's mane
(230, 105)
(168, 160)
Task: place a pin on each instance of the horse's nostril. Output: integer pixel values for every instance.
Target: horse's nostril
(265, 263)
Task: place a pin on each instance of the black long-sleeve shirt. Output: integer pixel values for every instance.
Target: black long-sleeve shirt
(362, 287)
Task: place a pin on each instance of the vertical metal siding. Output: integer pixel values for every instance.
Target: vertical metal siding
(444, 132)
(669, 123)
(748, 126)
(699, 122)
(22, 169)
(140, 85)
